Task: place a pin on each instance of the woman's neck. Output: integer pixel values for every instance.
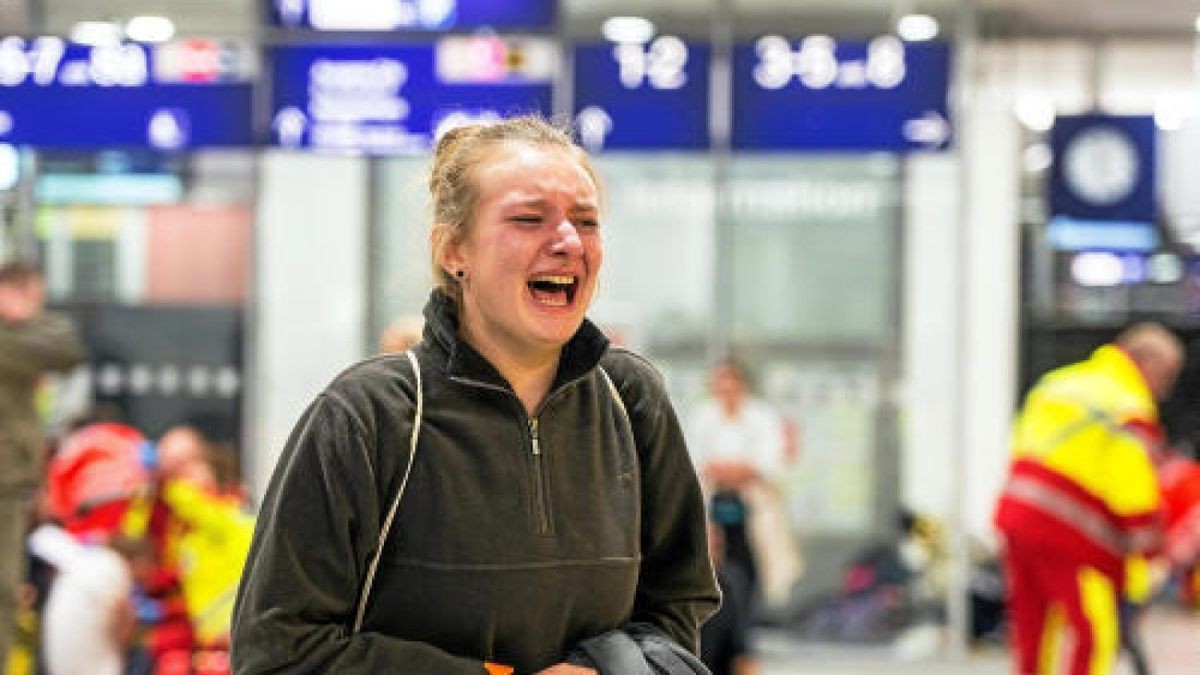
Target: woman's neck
(529, 372)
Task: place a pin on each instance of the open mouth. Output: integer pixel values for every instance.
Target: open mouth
(554, 290)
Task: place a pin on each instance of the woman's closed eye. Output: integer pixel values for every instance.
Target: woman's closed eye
(527, 219)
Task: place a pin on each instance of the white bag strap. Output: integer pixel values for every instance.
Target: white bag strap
(617, 396)
(365, 595)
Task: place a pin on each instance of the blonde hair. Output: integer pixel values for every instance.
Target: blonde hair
(453, 192)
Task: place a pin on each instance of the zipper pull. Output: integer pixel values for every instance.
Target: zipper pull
(533, 429)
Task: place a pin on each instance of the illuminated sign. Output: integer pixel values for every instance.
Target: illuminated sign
(653, 96)
(168, 97)
(1104, 168)
(395, 99)
(819, 93)
(428, 15)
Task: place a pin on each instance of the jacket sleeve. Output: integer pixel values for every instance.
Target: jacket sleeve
(677, 590)
(315, 534)
(44, 342)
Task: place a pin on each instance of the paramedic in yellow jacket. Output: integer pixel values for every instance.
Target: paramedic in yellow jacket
(212, 551)
(1082, 497)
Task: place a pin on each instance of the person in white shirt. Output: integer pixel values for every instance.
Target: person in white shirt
(738, 444)
(736, 440)
(88, 620)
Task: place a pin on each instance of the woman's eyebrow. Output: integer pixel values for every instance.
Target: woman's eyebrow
(532, 203)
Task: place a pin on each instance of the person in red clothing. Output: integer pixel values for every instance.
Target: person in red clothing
(93, 476)
(1082, 497)
(169, 636)
(1179, 477)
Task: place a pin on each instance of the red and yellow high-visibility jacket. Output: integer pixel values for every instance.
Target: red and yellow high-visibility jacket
(1082, 483)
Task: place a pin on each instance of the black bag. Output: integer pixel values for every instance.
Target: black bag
(638, 650)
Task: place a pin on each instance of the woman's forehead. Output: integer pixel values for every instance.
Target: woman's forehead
(523, 172)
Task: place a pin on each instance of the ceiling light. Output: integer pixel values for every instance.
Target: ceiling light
(917, 27)
(628, 29)
(1164, 268)
(96, 33)
(1170, 113)
(150, 29)
(1037, 157)
(1035, 112)
(1097, 269)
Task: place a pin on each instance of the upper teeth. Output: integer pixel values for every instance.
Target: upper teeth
(561, 279)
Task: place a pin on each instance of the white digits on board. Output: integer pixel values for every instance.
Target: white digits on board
(816, 65)
(631, 63)
(662, 64)
(13, 65)
(45, 56)
(885, 61)
(667, 57)
(774, 69)
(118, 66)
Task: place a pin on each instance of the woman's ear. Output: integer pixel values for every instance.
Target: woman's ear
(449, 252)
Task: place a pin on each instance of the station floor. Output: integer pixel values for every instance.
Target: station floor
(1172, 642)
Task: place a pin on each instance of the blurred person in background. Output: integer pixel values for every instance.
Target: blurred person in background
(204, 494)
(1179, 476)
(738, 443)
(401, 334)
(509, 496)
(726, 645)
(32, 343)
(92, 478)
(1082, 500)
(88, 621)
(169, 633)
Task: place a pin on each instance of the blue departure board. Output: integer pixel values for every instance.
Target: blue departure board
(393, 99)
(189, 94)
(642, 97)
(819, 93)
(416, 15)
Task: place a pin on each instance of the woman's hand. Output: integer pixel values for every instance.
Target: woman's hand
(567, 669)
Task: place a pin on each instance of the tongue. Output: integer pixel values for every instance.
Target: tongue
(556, 297)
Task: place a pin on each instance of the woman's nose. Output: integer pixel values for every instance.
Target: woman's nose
(567, 239)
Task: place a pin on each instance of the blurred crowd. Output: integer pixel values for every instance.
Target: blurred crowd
(135, 555)
(119, 553)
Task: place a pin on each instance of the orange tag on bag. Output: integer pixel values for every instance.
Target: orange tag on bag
(497, 669)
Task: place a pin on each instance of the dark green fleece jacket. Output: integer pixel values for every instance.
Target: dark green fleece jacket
(516, 538)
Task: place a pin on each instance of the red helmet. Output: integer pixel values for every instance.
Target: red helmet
(95, 473)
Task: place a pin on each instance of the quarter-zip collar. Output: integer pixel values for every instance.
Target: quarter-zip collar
(579, 355)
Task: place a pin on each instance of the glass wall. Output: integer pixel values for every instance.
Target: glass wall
(815, 275)
(151, 255)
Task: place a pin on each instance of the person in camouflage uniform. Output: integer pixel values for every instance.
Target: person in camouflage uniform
(32, 343)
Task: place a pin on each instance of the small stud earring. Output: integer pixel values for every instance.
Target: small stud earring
(460, 274)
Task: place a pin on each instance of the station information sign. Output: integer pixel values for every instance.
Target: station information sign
(173, 96)
(642, 97)
(416, 15)
(396, 99)
(818, 93)
(1104, 168)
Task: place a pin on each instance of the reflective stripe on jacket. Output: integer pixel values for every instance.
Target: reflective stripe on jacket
(1082, 482)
